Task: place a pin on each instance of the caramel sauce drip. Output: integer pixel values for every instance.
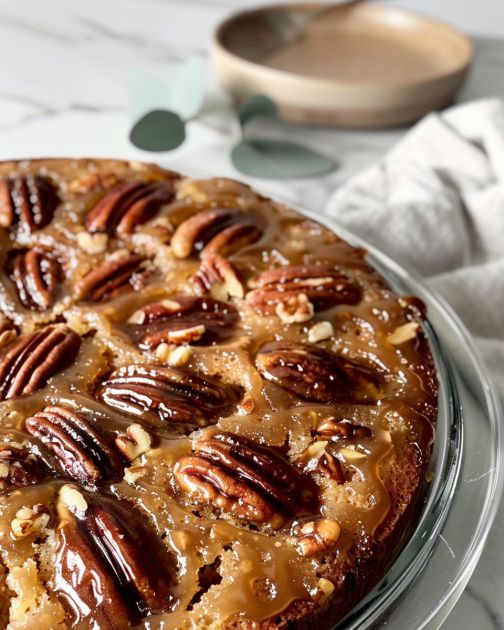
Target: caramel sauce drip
(255, 573)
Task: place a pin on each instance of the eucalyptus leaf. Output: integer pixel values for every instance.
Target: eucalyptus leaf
(257, 105)
(158, 130)
(275, 159)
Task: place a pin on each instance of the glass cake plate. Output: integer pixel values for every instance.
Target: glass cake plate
(434, 566)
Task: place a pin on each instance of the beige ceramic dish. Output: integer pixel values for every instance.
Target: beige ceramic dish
(362, 65)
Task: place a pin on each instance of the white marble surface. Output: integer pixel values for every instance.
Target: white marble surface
(65, 73)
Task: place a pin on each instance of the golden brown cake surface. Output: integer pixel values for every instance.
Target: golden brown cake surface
(214, 413)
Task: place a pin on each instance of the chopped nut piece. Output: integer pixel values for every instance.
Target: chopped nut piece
(163, 222)
(331, 467)
(179, 356)
(118, 254)
(163, 352)
(173, 356)
(133, 474)
(72, 498)
(320, 331)
(136, 441)
(404, 333)
(296, 310)
(90, 181)
(316, 449)
(186, 335)
(316, 536)
(350, 454)
(4, 471)
(326, 586)
(30, 520)
(138, 317)
(189, 188)
(92, 243)
(171, 305)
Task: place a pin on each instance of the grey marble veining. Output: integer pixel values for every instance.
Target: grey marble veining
(64, 83)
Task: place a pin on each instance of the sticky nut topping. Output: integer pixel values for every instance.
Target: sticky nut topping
(177, 482)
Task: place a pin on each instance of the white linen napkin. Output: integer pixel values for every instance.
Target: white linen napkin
(435, 203)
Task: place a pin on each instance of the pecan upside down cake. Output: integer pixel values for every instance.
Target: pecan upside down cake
(214, 413)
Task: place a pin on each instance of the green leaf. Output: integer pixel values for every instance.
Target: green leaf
(159, 130)
(275, 159)
(257, 105)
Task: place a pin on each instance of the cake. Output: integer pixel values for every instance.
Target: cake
(214, 412)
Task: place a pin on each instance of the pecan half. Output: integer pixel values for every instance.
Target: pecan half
(27, 364)
(82, 452)
(315, 374)
(245, 480)
(127, 205)
(342, 430)
(109, 566)
(112, 278)
(182, 319)
(174, 396)
(218, 276)
(19, 468)
(36, 275)
(215, 231)
(28, 201)
(324, 287)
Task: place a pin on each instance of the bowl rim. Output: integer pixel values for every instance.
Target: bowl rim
(219, 49)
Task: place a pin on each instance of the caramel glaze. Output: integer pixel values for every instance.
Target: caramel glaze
(260, 578)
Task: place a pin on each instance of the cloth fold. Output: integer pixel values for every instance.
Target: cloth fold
(435, 203)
